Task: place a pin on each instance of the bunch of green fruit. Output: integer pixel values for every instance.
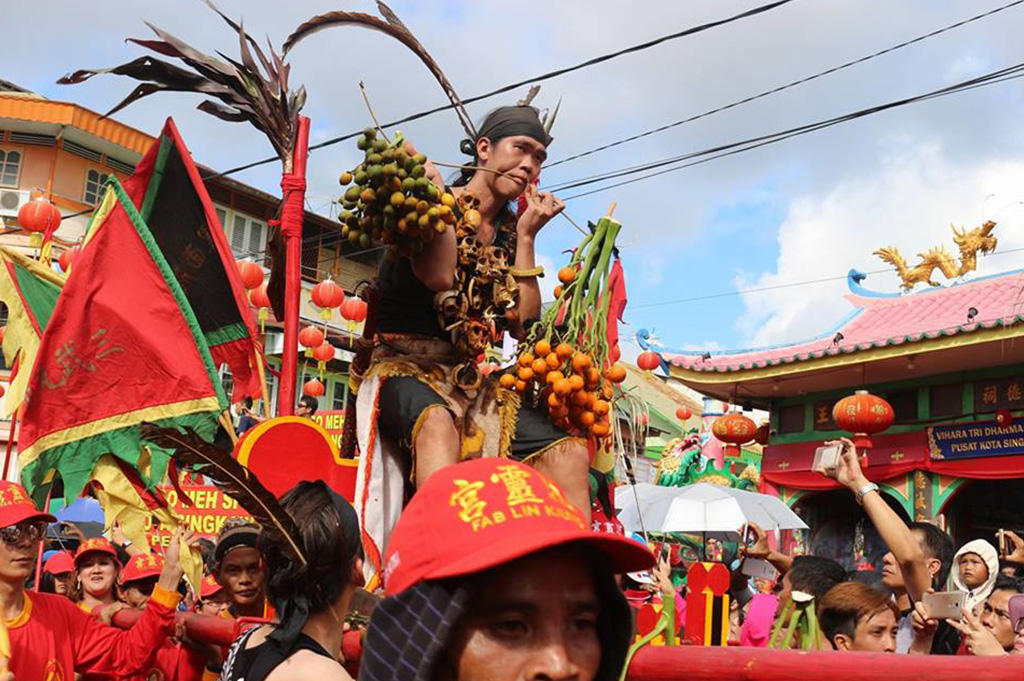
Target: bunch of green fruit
(391, 200)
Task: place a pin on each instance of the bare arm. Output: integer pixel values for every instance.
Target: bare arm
(435, 264)
(540, 208)
(894, 532)
(760, 549)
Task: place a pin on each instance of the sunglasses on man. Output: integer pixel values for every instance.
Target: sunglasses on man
(33, 529)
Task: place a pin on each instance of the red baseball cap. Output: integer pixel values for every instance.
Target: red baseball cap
(59, 563)
(16, 506)
(483, 513)
(94, 545)
(209, 587)
(141, 566)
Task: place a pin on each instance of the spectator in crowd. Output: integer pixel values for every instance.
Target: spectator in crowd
(977, 566)
(246, 419)
(1017, 620)
(312, 598)
(855, 616)
(52, 639)
(174, 660)
(937, 551)
(96, 569)
(58, 575)
(991, 633)
(213, 598)
(491, 573)
(812, 575)
(307, 406)
(138, 579)
(240, 569)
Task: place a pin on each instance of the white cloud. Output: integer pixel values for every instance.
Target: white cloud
(909, 201)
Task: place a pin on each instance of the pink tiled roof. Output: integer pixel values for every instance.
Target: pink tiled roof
(885, 319)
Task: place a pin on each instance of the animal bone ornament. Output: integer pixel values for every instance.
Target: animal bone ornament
(970, 243)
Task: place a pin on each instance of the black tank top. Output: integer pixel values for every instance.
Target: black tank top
(256, 664)
(407, 305)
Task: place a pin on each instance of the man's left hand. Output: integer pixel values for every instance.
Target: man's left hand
(980, 641)
(540, 208)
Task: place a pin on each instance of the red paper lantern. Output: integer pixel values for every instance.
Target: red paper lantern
(39, 215)
(762, 435)
(250, 273)
(734, 429)
(313, 388)
(1004, 419)
(323, 352)
(311, 337)
(3, 330)
(261, 301)
(683, 413)
(67, 257)
(259, 296)
(328, 295)
(863, 414)
(354, 311)
(648, 360)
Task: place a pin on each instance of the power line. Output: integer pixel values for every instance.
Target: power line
(531, 81)
(732, 148)
(787, 86)
(761, 289)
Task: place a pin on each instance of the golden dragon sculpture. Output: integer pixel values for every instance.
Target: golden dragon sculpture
(970, 243)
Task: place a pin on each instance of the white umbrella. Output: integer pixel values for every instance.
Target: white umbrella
(700, 508)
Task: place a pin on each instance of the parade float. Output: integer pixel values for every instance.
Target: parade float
(940, 361)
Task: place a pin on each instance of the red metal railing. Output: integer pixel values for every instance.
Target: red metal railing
(699, 663)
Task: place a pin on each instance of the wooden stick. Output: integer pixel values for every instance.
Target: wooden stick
(376, 123)
(261, 372)
(225, 420)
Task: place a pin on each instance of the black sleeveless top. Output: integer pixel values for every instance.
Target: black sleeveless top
(407, 305)
(256, 664)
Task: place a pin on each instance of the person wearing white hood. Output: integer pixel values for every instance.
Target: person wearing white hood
(976, 566)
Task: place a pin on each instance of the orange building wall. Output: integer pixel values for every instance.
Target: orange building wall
(68, 179)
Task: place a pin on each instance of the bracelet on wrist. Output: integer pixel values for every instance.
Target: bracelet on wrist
(523, 273)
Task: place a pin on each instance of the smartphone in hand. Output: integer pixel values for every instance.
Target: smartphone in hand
(945, 605)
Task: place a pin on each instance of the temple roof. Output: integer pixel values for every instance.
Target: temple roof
(918, 322)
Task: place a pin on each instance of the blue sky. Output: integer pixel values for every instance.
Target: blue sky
(803, 209)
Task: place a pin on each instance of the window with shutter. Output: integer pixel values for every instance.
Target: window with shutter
(222, 216)
(256, 239)
(10, 163)
(238, 237)
(94, 181)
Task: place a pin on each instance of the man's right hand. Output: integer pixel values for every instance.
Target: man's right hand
(848, 472)
(1016, 554)
(173, 571)
(760, 548)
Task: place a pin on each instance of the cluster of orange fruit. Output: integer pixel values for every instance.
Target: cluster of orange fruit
(578, 397)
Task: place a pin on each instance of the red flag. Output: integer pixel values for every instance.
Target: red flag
(174, 203)
(122, 347)
(617, 290)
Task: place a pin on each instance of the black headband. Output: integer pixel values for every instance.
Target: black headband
(244, 536)
(509, 121)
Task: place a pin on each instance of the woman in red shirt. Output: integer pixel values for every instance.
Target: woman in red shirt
(97, 568)
(50, 637)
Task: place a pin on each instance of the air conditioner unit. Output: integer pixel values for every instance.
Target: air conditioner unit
(11, 201)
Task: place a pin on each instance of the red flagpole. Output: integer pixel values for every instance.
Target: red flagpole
(293, 187)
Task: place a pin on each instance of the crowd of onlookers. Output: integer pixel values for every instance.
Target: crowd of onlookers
(858, 612)
(532, 592)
